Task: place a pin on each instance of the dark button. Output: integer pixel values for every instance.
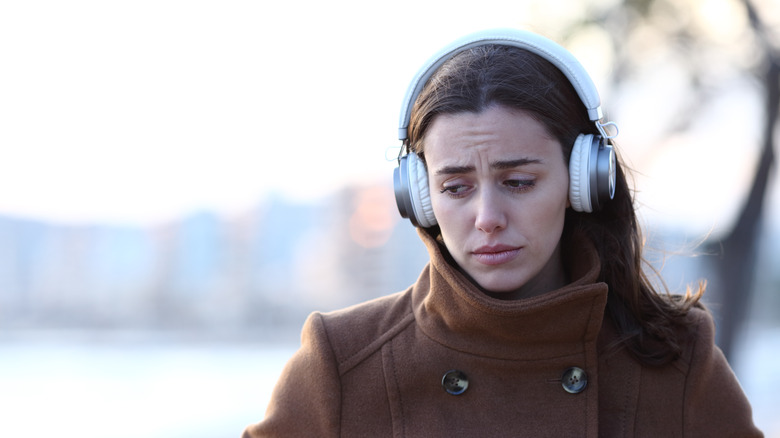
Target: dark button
(455, 382)
(574, 380)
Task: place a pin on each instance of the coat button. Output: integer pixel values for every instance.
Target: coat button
(455, 382)
(574, 380)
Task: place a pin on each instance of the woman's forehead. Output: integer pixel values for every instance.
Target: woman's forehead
(498, 132)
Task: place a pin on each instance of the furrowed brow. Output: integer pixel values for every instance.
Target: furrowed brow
(511, 164)
(454, 170)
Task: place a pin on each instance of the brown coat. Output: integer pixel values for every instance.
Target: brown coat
(377, 369)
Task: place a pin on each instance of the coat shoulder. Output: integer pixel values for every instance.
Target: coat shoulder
(714, 402)
(360, 330)
(697, 336)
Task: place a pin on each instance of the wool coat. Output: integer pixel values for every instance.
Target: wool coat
(442, 359)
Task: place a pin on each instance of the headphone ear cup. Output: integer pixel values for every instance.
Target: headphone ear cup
(591, 173)
(412, 195)
(579, 174)
(420, 192)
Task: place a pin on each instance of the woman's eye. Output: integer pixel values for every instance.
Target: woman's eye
(519, 184)
(455, 190)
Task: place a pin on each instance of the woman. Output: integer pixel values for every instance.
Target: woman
(533, 317)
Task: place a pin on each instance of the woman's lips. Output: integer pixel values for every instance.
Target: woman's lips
(496, 254)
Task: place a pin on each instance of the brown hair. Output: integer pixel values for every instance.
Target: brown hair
(491, 74)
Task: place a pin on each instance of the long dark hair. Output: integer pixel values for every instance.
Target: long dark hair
(647, 321)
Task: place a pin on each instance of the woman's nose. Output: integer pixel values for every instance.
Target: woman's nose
(491, 216)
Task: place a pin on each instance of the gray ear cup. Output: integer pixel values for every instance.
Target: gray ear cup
(412, 195)
(591, 173)
(605, 174)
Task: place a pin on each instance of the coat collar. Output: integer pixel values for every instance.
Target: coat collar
(451, 310)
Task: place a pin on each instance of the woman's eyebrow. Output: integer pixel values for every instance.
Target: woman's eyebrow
(497, 165)
(453, 170)
(511, 164)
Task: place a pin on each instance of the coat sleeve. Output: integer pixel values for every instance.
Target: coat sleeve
(307, 397)
(714, 403)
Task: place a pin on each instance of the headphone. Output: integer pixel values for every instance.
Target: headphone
(592, 161)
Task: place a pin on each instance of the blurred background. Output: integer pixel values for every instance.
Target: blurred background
(182, 182)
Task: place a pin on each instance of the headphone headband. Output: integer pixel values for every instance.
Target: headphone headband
(532, 42)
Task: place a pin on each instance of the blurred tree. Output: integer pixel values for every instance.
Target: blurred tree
(671, 25)
(735, 267)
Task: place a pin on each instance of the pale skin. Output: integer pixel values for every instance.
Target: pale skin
(499, 191)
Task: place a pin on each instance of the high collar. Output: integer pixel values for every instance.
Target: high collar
(453, 311)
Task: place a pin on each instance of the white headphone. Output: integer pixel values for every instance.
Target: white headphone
(592, 162)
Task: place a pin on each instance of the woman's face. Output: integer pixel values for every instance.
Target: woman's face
(499, 190)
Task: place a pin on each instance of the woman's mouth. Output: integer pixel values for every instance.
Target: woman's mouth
(496, 254)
